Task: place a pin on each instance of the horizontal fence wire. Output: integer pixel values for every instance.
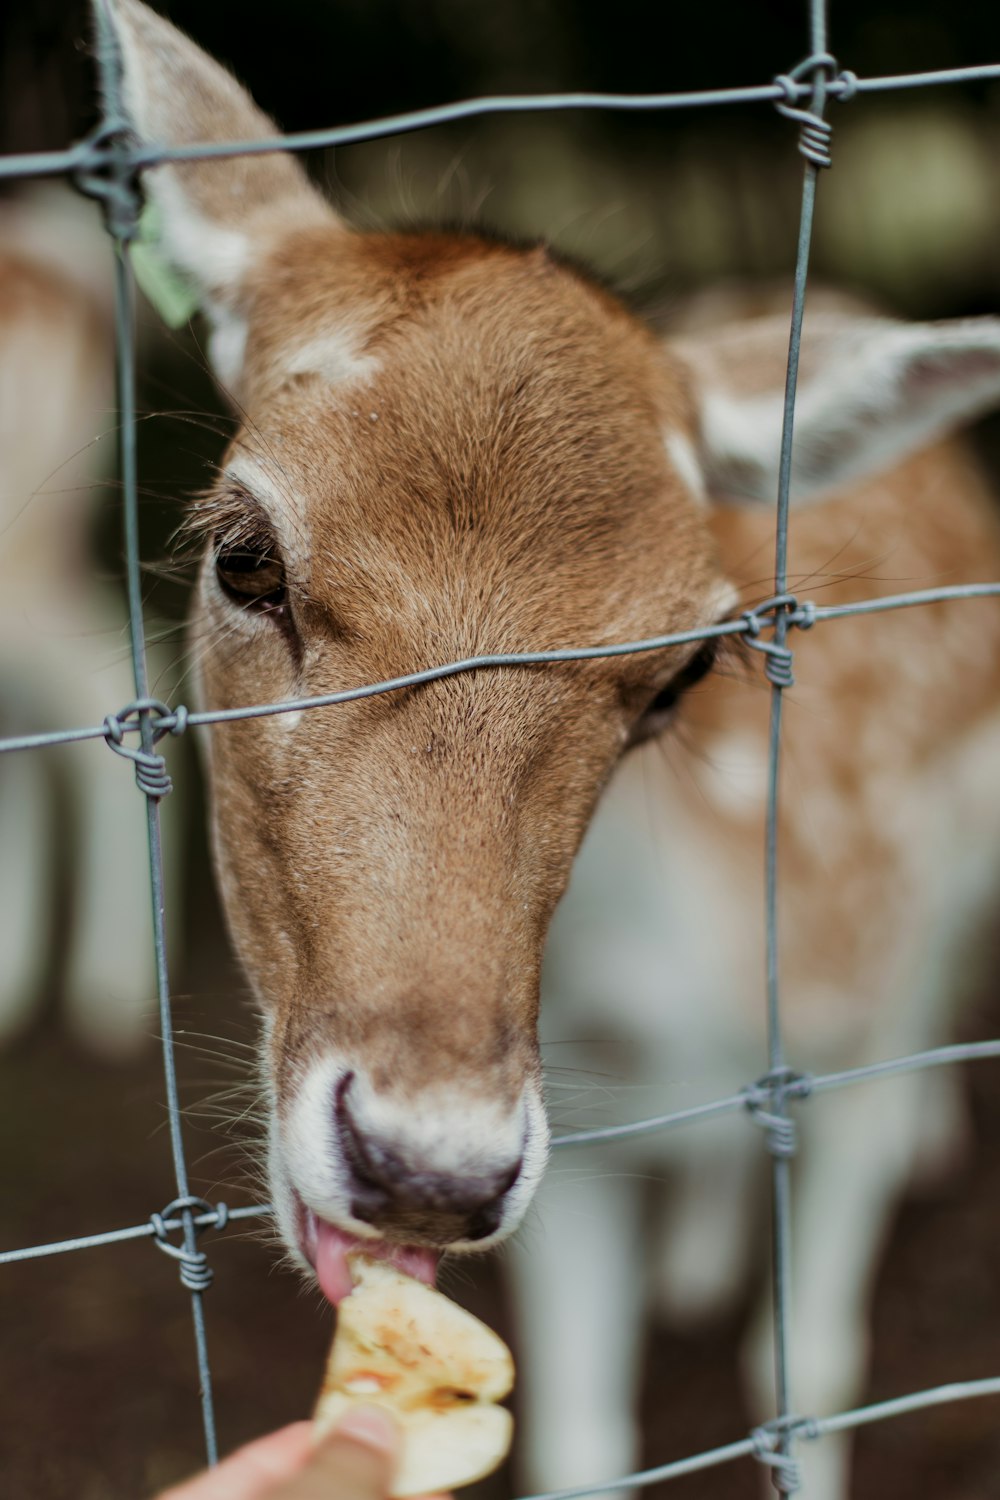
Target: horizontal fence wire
(810, 1428)
(172, 721)
(802, 1086)
(107, 164)
(89, 155)
(169, 1223)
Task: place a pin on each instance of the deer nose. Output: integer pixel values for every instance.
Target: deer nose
(394, 1190)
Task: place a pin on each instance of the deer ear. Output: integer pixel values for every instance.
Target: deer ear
(213, 219)
(871, 392)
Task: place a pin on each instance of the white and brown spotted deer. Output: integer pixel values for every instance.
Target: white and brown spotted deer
(70, 833)
(450, 446)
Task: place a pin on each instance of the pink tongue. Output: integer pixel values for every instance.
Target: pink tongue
(334, 1245)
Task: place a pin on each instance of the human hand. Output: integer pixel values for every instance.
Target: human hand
(353, 1462)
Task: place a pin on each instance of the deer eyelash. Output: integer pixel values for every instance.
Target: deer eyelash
(228, 518)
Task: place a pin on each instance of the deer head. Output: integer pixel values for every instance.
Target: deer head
(446, 446)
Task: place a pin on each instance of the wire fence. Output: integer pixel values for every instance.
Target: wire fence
(107, 165)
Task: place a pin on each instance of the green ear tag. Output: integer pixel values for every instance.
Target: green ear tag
(170, 292)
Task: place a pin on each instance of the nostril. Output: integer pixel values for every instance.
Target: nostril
(340, 1095)
(393, 1192)
(485, 1222)
(378, 1177)
(367, 1171)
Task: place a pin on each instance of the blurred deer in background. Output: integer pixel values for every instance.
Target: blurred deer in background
(71, 833)
(451, 446)
(889, 862)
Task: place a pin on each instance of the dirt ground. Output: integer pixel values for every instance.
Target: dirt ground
(98, 1391)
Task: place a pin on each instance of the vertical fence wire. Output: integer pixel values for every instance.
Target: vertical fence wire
(122, 205)
(786, 1479)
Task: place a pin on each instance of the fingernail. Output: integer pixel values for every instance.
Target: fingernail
(369, 1425)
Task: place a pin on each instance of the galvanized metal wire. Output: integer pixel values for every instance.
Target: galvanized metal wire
(107, 165)
(814, 144)
(749, 626)
(88, 154)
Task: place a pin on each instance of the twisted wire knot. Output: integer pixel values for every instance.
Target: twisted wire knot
(815, 133)
(780, 1130)
(108, 176)
(786, 1471)
(195, 1272)
(151, 773)
(847, 85)
(778, 659)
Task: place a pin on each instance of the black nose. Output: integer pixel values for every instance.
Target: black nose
(409, 1198)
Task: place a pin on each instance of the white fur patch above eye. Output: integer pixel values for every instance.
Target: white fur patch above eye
(334, 357)
(250, 472)
(682, 455)
(724, 600)
(261, 476)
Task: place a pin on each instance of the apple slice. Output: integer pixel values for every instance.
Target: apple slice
(402, 1345)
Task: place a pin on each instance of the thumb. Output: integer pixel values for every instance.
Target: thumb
(353, 1462)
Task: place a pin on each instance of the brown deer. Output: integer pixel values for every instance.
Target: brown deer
(450, 446)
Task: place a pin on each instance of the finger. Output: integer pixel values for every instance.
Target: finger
(354, 1462)
(251, 1473)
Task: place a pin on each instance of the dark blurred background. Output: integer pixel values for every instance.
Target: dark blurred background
(98, 1395)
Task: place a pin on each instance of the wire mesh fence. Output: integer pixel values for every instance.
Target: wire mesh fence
(107, 165)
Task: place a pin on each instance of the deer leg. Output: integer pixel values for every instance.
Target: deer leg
(578, 1269)
(25, 893)
(708, 1234)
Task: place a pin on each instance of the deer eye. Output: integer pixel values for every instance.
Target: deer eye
(698, 667)
(658, 712)
(251, 573)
